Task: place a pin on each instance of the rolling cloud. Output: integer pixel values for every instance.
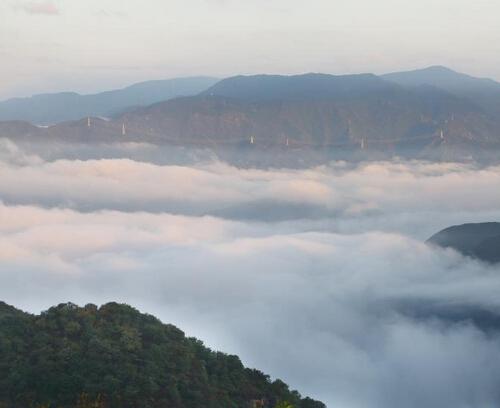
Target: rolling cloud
(420, 197)
(332, 290)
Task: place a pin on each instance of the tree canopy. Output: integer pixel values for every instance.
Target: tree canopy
(116, 357)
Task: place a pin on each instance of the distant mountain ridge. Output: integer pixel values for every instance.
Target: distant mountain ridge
(336, 115)
(442, 77)
(482, 91)
(306, 86)
(47, 109)
(320, 111)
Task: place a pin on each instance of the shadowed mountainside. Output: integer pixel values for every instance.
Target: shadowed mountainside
(480, 241)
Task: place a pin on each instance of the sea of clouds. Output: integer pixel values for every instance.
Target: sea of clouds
(319, 276)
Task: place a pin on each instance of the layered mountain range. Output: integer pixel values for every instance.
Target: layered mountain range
(48, 109)
(433, 112)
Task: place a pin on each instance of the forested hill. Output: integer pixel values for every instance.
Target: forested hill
(116, 357)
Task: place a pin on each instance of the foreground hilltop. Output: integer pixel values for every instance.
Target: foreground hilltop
(114, 356)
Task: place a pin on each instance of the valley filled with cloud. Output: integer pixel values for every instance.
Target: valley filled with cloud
(320, 276)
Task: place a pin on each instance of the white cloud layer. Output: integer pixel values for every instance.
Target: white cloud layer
(420, 197)
(341, 298)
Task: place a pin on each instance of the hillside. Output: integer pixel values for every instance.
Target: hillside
(480, 241)
(114, 356)
(48, 109)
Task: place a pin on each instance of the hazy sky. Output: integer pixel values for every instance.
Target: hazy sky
(91, 45)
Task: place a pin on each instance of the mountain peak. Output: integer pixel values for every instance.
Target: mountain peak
(437, 68)
(483, 92)
(440, 76)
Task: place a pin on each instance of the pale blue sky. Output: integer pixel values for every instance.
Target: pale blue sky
(92, 45)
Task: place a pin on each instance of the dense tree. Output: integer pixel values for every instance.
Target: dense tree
(114, 356)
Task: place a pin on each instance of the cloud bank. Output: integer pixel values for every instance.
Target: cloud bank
(420, 197)
(341, 298)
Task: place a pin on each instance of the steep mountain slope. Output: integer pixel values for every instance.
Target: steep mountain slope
(482, 91)
(52, 108)
(481, 241)
(114, 356)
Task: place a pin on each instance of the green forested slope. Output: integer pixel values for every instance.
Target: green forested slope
(114, 356)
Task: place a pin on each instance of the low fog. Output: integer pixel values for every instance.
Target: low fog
(318, 276)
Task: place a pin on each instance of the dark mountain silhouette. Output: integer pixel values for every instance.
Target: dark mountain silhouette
(482, 91)
(481, 241)
(114, 356)
(53, 108)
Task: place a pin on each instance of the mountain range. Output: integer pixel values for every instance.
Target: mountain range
(430, 113)
(47, 109)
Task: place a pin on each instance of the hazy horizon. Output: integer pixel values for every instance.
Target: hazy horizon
(58, 45)
(97, 91)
